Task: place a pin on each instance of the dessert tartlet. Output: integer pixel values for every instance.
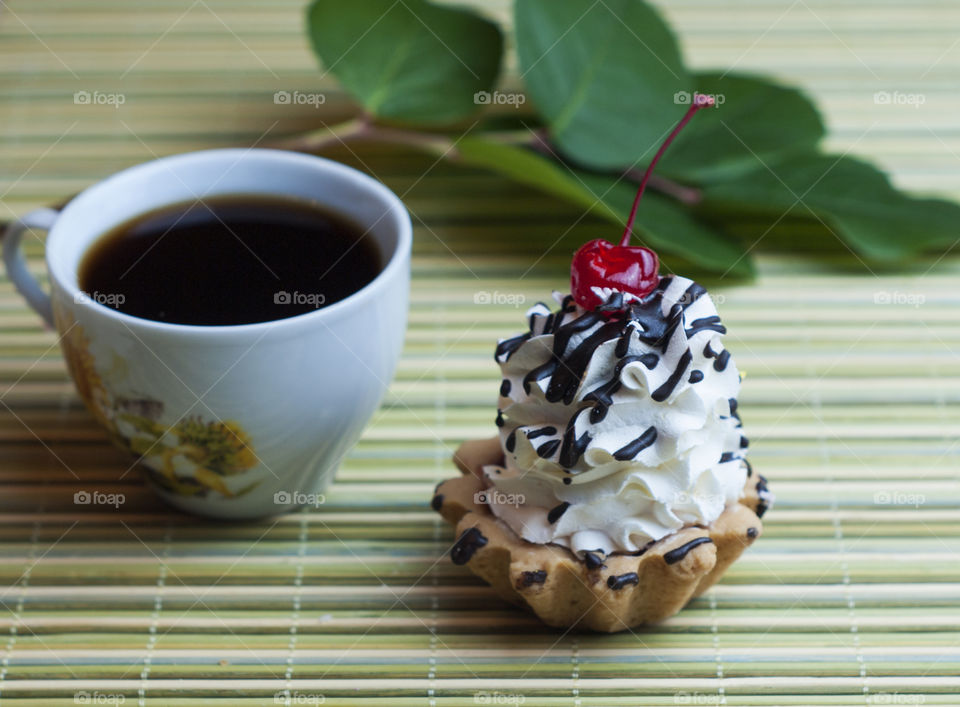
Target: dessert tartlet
(618, 487)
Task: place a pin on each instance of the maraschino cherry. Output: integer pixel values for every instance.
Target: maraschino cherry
(632, 270)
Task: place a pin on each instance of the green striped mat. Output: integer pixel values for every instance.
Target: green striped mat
(851, 597)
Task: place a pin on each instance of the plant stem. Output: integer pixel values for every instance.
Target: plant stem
(328, 135)
(363, 128)
(685, 195)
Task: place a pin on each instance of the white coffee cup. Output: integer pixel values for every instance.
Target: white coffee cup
(237, 421)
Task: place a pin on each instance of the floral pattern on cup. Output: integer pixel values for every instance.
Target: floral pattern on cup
(190, 457)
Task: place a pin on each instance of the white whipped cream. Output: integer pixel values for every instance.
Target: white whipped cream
(660, 451)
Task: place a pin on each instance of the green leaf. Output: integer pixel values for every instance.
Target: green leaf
(603, 76)
(755, 122)
(665, 225)
(854, 200)
(407, 60)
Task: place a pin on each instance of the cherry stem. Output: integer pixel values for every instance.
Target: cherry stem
(699, 101)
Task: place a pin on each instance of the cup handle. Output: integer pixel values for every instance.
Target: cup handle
(16, 264)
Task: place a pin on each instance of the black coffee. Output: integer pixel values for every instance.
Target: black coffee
(229, 260)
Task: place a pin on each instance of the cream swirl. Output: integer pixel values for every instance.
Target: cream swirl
(619, 425)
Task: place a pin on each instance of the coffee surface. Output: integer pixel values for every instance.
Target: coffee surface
(226, 260)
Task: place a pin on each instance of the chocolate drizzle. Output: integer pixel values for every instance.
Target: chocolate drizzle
(722, 358)
(664, 391)
(556, 512)
(573, 447)
(548, 449)
(507, 347)
(763, 502)
(631, 450)
(625, 323)
(470, 541)
(677, 554)
(705, 324)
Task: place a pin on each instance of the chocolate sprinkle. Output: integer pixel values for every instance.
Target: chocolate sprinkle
(437, 502)
(726, 457)
(592, 560)
(567, 481)
(677, 554)
(528, 578)
(470, 541)
(499, 419)
(752, 533)
(620, 581)
(744, 442)
(542, 431)
(695, 377)
(554, 515)
(504, 388)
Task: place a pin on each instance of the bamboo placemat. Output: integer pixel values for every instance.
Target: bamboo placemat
(851, 597)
